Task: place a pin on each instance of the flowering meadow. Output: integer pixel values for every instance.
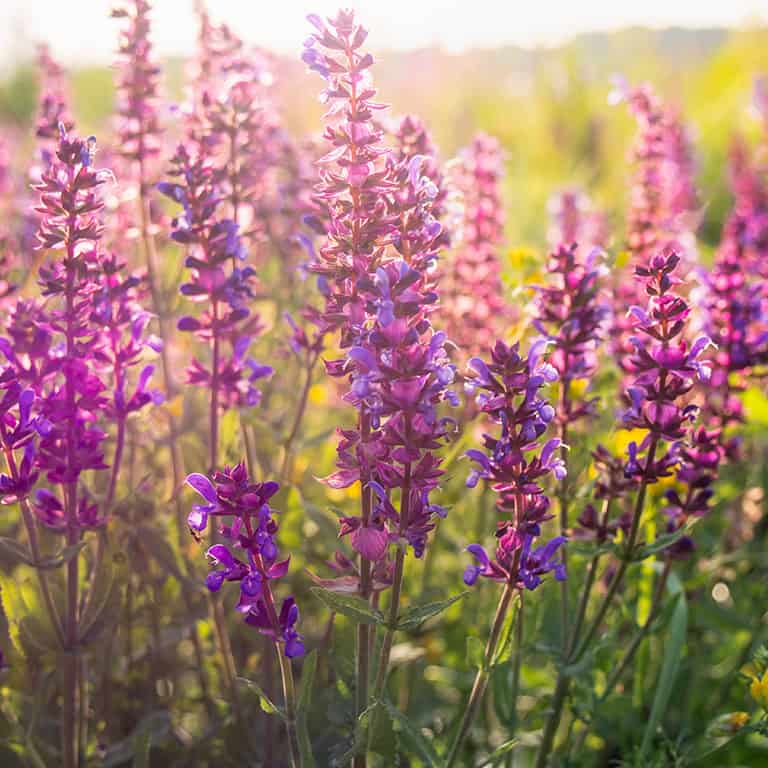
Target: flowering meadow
(308, 463)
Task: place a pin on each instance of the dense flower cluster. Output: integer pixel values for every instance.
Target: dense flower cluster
(662, 203)
(376, 265)
(250, 556)
(413, 140)
(137, 84)
(472, 306)
(515, 464)
(233, 121)
(65, 349)
(735, 296)
(219, 280)
(570, 314)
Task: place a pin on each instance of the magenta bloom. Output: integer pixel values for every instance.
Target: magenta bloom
(250, 555)
(571, 314)
(376, 272)
(138, 74)
(472, 307)
(515, 464)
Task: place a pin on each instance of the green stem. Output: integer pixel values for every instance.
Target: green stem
(563, 499)
(289, 695)
(34, 547)
(397, 588)
(634, 646)
(362, 656)
(481, 678)
(563, 682)
(626, 559)
(288, 445)
(174, 444)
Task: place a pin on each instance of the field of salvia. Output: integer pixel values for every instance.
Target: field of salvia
(307, 463)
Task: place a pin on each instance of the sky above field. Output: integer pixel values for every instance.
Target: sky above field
(80, 30)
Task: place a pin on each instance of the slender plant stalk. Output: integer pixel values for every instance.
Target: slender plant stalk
(397, 588)
(177, 463)
(518, 661)
(588, 584)
(34, 548)
(481, 678)
(563, 499)
(286, 671)
(289, 694)
(70, 710)
(625, 561)
(116, 462)
(563, 683)
(394, 599)
(362, 655)
(312, 359)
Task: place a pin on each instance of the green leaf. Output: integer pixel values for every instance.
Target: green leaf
(265, 702)
(307, 682)
(382, 739)
(305, 745)
(673, 650)
(57, 560)
(475, 652)
(37, 634)
(418, 614)
(306, 686)
(104, 603)
(13, 552)
(142, 743)
(413, 737)
(161, 551)
(498, 753)
(351, 606)
(661, 543)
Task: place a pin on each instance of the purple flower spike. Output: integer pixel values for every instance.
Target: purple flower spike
(515, 465)
(249, 556)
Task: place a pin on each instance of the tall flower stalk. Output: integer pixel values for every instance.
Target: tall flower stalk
(665, 367)
(375, 268)
(570, 315)
(515, 464)
(140, 143)
(249, 557)
(472, 306)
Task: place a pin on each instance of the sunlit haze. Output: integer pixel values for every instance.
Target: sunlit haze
(81, 29)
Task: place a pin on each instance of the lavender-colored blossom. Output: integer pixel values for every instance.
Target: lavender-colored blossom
(735, 297)
(570, 313)
(219, 279)
(376, 269)
(514, 463)
(137, 85)
(472, 307)
(249, 556)
(661, 213)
